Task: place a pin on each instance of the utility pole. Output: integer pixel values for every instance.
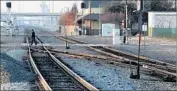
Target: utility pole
(126, 20)
(176, 31)
(90, 15)
(53, 6)
(99, 21)
(125, 25)
(82, 22)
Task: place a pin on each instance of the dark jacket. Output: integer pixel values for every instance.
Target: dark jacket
(33, 34)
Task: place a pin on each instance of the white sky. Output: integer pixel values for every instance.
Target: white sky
(34, 6)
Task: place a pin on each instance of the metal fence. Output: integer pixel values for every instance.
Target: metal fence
(164, 32)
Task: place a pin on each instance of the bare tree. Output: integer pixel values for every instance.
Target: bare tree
(115, 18)
(69, 17)
(161, 5)
(117, 8)
(62, 19)
(74, 8)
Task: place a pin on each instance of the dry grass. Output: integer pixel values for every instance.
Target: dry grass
(4, 76)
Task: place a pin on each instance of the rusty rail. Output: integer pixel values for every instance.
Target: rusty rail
(159, 69)
(70, 72)
(41, 79)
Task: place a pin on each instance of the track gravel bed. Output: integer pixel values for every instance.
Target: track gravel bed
(112, 77)
(55, 76)
(19, 75)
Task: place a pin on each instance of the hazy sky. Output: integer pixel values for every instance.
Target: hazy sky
(34, 6)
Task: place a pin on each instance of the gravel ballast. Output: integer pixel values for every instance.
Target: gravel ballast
(16, 75)
(16, 86)
(12, 62)
(111, 77)
(4, 76)
(20, 77)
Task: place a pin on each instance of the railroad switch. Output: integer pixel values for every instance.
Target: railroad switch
(169, 79)
(134, 76)
(67, 47)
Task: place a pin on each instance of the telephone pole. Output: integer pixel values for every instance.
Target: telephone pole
(90, 16)
(99, 20)
(176, 31)
(126, 20)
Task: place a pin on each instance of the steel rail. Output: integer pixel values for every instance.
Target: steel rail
(70, 72)
(41, 79)
(147, 66)
(123, 53)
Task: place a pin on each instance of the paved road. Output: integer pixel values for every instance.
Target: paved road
(155, 52)
(144, 84)
(163, 50)
(160, 49)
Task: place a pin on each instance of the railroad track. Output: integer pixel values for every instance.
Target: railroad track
(53, 74)
(165, 70)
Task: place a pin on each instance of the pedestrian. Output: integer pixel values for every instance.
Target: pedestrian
(33, 38)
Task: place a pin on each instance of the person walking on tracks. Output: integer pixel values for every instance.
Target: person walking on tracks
(33, 38)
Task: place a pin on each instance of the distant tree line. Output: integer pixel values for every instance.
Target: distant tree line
(149, 5)
(118, 7)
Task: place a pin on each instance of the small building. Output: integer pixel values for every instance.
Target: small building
(162, 24)
(90, 24)
(90, 16)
